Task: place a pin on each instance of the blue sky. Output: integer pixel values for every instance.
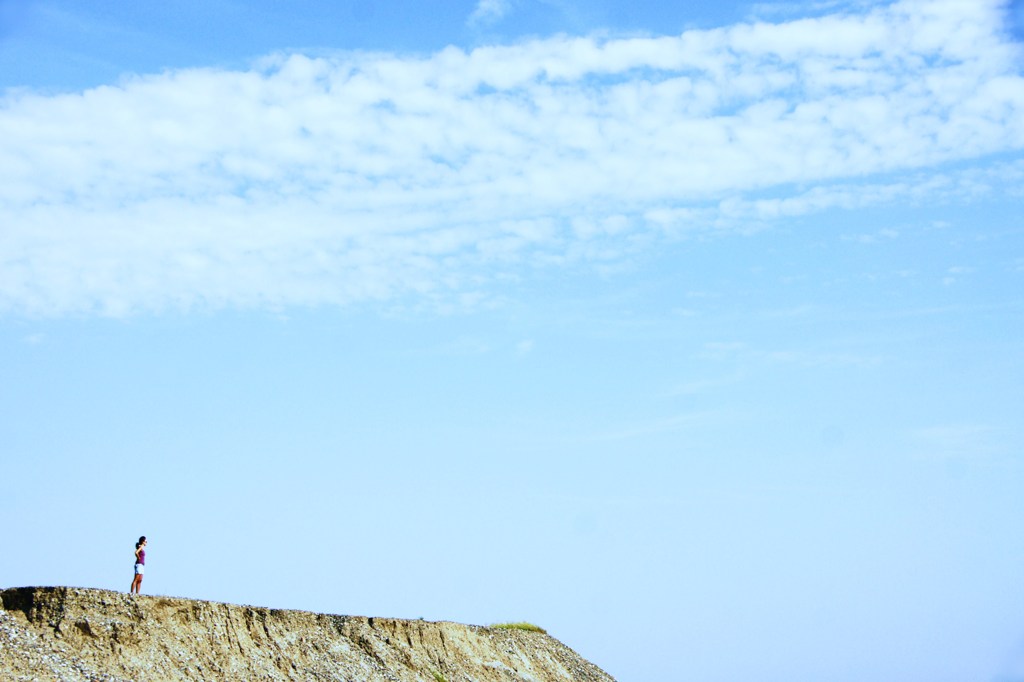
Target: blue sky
(690, 333)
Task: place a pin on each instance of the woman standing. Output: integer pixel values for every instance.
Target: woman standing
(140, 565)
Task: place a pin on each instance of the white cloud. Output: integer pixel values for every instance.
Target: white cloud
(378, 177)
(489, 12)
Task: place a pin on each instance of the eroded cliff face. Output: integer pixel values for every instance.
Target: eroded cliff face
(60, 633)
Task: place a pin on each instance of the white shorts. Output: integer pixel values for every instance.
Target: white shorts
(140, 569)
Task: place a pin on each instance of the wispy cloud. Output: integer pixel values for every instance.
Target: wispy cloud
(379, 177)
(885, 234)
(745, 355)
(784, 9)
(958, 440)
(955, 273)
(488, 12)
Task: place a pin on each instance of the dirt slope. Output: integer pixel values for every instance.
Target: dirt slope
(61, 633)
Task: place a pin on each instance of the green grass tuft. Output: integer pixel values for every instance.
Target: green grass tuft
(438, 677)
(529, 627)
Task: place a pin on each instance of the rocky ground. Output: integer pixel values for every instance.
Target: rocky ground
(76, 634)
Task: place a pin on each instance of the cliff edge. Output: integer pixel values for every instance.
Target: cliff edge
(63, 633)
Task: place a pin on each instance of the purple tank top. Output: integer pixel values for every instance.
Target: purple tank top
(142, 557)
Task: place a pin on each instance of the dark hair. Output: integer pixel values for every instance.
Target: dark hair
(139, 543)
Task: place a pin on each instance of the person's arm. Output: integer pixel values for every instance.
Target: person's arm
(137, 550)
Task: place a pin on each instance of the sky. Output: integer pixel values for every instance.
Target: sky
(690, 332)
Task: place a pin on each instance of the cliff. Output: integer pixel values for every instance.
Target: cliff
(61, 633)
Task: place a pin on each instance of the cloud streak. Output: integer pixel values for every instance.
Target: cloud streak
(382, 177)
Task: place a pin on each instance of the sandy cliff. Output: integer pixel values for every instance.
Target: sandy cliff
(59, 633)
